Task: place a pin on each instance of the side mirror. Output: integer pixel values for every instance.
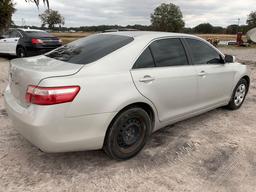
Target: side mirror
(230, 59)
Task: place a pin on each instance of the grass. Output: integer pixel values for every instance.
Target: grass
(69, 37)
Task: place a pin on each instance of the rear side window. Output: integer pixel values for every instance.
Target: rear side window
(145, 60)
(169, 52)
(202, 53)
(89, 49)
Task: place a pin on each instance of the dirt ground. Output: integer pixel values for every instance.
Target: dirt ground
(214, 152)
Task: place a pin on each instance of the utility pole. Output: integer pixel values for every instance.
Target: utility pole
(23, 22)
(238, 24)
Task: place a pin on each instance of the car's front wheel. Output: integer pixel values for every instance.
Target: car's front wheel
(239, 95)
(127, 134)
(21, 52)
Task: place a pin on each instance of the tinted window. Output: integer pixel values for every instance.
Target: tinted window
(38, 34)
(14, 34)
(169, 52)
(7, 34)
(202, 53)
(145, 60)
(89, 49)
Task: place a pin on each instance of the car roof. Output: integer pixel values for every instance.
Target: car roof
(149, 34)
(22, 29)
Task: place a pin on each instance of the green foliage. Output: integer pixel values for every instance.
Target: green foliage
(232, 29)
(167, 17)
(51, 18)
(6, 11)
(204, 28)
(218, 30)
(251, 21)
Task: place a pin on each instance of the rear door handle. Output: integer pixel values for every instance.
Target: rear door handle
(202, 74)
(147, 79)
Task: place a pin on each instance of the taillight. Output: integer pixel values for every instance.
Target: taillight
(37, 41)
(51, 95)
(60, 41)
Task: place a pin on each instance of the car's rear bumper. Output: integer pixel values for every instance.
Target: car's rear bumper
(47, 127)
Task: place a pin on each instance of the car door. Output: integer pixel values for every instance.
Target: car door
(215, 77)
(3, 43)
(12, 41)
(164, 75)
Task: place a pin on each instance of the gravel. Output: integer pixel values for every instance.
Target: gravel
(213, 152)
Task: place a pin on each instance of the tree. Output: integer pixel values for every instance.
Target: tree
(38, 1)
(232, 29)
(51, 18)
(204, 28)
(218, 30)
(167, 17)
(251, 21)
(6, 11)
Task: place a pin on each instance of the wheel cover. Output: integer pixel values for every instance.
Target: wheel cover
(240, 94)
(130, 133)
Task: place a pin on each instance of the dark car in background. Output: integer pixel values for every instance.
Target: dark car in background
(28, 42)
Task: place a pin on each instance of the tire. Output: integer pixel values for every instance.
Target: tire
(21, 52)
(127, 134)
(239, 95)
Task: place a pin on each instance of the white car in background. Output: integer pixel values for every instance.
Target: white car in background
(27, 42)
(113, 90)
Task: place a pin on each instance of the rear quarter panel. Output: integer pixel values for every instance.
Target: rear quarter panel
(99, 93)
(106, 85)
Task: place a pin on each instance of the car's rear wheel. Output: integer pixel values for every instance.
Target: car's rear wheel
(239, 95)
(127, 134)
(21, 52)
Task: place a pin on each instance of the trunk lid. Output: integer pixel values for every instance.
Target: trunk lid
(50, 41)
(30, 71)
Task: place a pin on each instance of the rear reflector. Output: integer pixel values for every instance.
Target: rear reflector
(51, 95)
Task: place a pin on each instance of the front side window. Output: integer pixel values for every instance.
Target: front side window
(169, 52)
(202, 53)
(7, 34)
(89, 49)
(145, 60)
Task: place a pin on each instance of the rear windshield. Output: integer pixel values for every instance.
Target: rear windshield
(89, 49)
(38, 34)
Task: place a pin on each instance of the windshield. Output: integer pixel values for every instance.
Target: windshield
(89, 49)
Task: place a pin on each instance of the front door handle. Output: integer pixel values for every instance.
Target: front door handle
(202, 74)
(147, 79)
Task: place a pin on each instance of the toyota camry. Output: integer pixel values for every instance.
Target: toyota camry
(111, 91)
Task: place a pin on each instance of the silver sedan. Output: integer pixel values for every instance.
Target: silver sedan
(111, 91)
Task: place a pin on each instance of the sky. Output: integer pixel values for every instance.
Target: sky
(124, 12)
